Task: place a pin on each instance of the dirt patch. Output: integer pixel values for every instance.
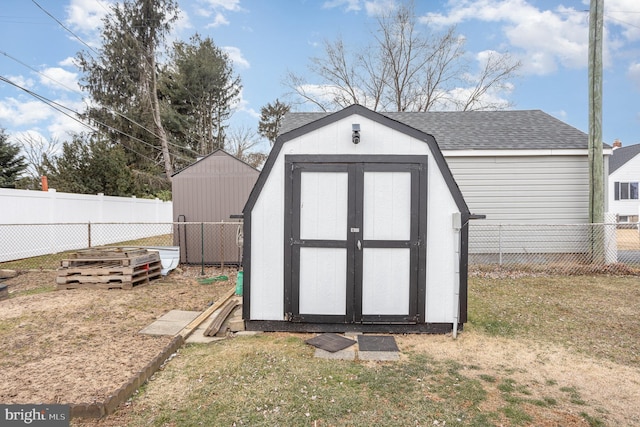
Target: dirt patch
(78, 346)
(547, 371)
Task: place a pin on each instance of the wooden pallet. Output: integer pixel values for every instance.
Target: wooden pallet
(89, 262)
(109, 252)
(87, 270)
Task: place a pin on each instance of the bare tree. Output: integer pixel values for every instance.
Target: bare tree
(241, 142)
(405, 68)
(36, 149)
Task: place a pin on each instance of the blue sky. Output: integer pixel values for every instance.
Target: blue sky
(266, 39)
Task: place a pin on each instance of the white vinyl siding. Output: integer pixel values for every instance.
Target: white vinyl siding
(267, 228)
(526, 189)
(629, 172)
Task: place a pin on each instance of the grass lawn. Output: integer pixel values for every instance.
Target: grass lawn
(274, 380)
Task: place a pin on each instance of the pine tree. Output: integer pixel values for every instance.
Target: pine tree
(199, 90)
(12, 164)
(122, 80)
(271, 116)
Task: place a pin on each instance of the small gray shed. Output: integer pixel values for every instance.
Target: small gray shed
(210, 190)
(355, 223)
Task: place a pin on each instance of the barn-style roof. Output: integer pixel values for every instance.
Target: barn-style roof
(302, 123)
(479, 130)
(622, 155)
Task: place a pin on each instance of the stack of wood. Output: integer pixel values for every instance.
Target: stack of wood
(106, 268)
(227, 319)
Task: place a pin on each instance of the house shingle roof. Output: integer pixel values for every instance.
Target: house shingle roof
(622, 155)
(479, 130)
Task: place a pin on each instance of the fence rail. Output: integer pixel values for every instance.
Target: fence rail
(535, 247)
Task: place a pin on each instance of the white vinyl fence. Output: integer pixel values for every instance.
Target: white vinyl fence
(60, 211)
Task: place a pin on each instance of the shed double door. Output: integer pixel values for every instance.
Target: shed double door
(356, 230)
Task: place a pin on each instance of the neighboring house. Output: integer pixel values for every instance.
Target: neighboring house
(516, 167)
(624, 181)
(210, 190)
(355, 223)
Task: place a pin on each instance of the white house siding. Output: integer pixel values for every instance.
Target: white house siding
(524, 189)
(629, 172)
(267, 229)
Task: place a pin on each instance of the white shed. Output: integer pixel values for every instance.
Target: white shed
(355, 223)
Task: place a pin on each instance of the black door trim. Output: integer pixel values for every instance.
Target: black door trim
(355, 165)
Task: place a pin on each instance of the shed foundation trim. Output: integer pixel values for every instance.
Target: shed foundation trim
(284, 326)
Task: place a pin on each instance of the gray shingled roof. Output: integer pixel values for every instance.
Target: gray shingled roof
(622, 155)
(479, 130)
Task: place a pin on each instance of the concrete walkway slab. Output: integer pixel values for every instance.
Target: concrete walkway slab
(348, 353)
(380, 356)
(171, 323)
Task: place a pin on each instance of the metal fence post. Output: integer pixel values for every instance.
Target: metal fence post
(222, 245)
(500, 245)
(202, 247)
(89, 233)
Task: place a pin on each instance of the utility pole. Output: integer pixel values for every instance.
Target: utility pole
(596, 166)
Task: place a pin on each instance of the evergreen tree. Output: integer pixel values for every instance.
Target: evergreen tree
(89, 165)
(122, 80)
(271, 116)
(12, 164)
(200, 90)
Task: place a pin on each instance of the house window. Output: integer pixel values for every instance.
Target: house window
(625, 191)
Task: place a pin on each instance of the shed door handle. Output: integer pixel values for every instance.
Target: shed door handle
(359, 245)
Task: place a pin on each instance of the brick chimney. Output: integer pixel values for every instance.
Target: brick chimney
(617, 144)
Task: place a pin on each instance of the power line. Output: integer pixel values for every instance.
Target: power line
(80, 93)
(608, 16)
(59, 107)
(63, 26)
(108, 108)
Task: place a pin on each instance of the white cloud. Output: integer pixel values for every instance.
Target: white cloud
(230, 5)
(218, 20)
(236, 56)
(349, 5)
(547, 38)
(31, 116)
(372, 7)
(183, 22)
(633, 73)
(219, 8)
(23, 113)
(378, 7)
(59, 78)
(68, 62)
(86, 15)
(624, 14)
(242, 106)
(21, 80)
(62, 127)
(560, 114)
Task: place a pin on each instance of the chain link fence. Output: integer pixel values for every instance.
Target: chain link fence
(43, 246)
(563, 249)
(560, 249)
